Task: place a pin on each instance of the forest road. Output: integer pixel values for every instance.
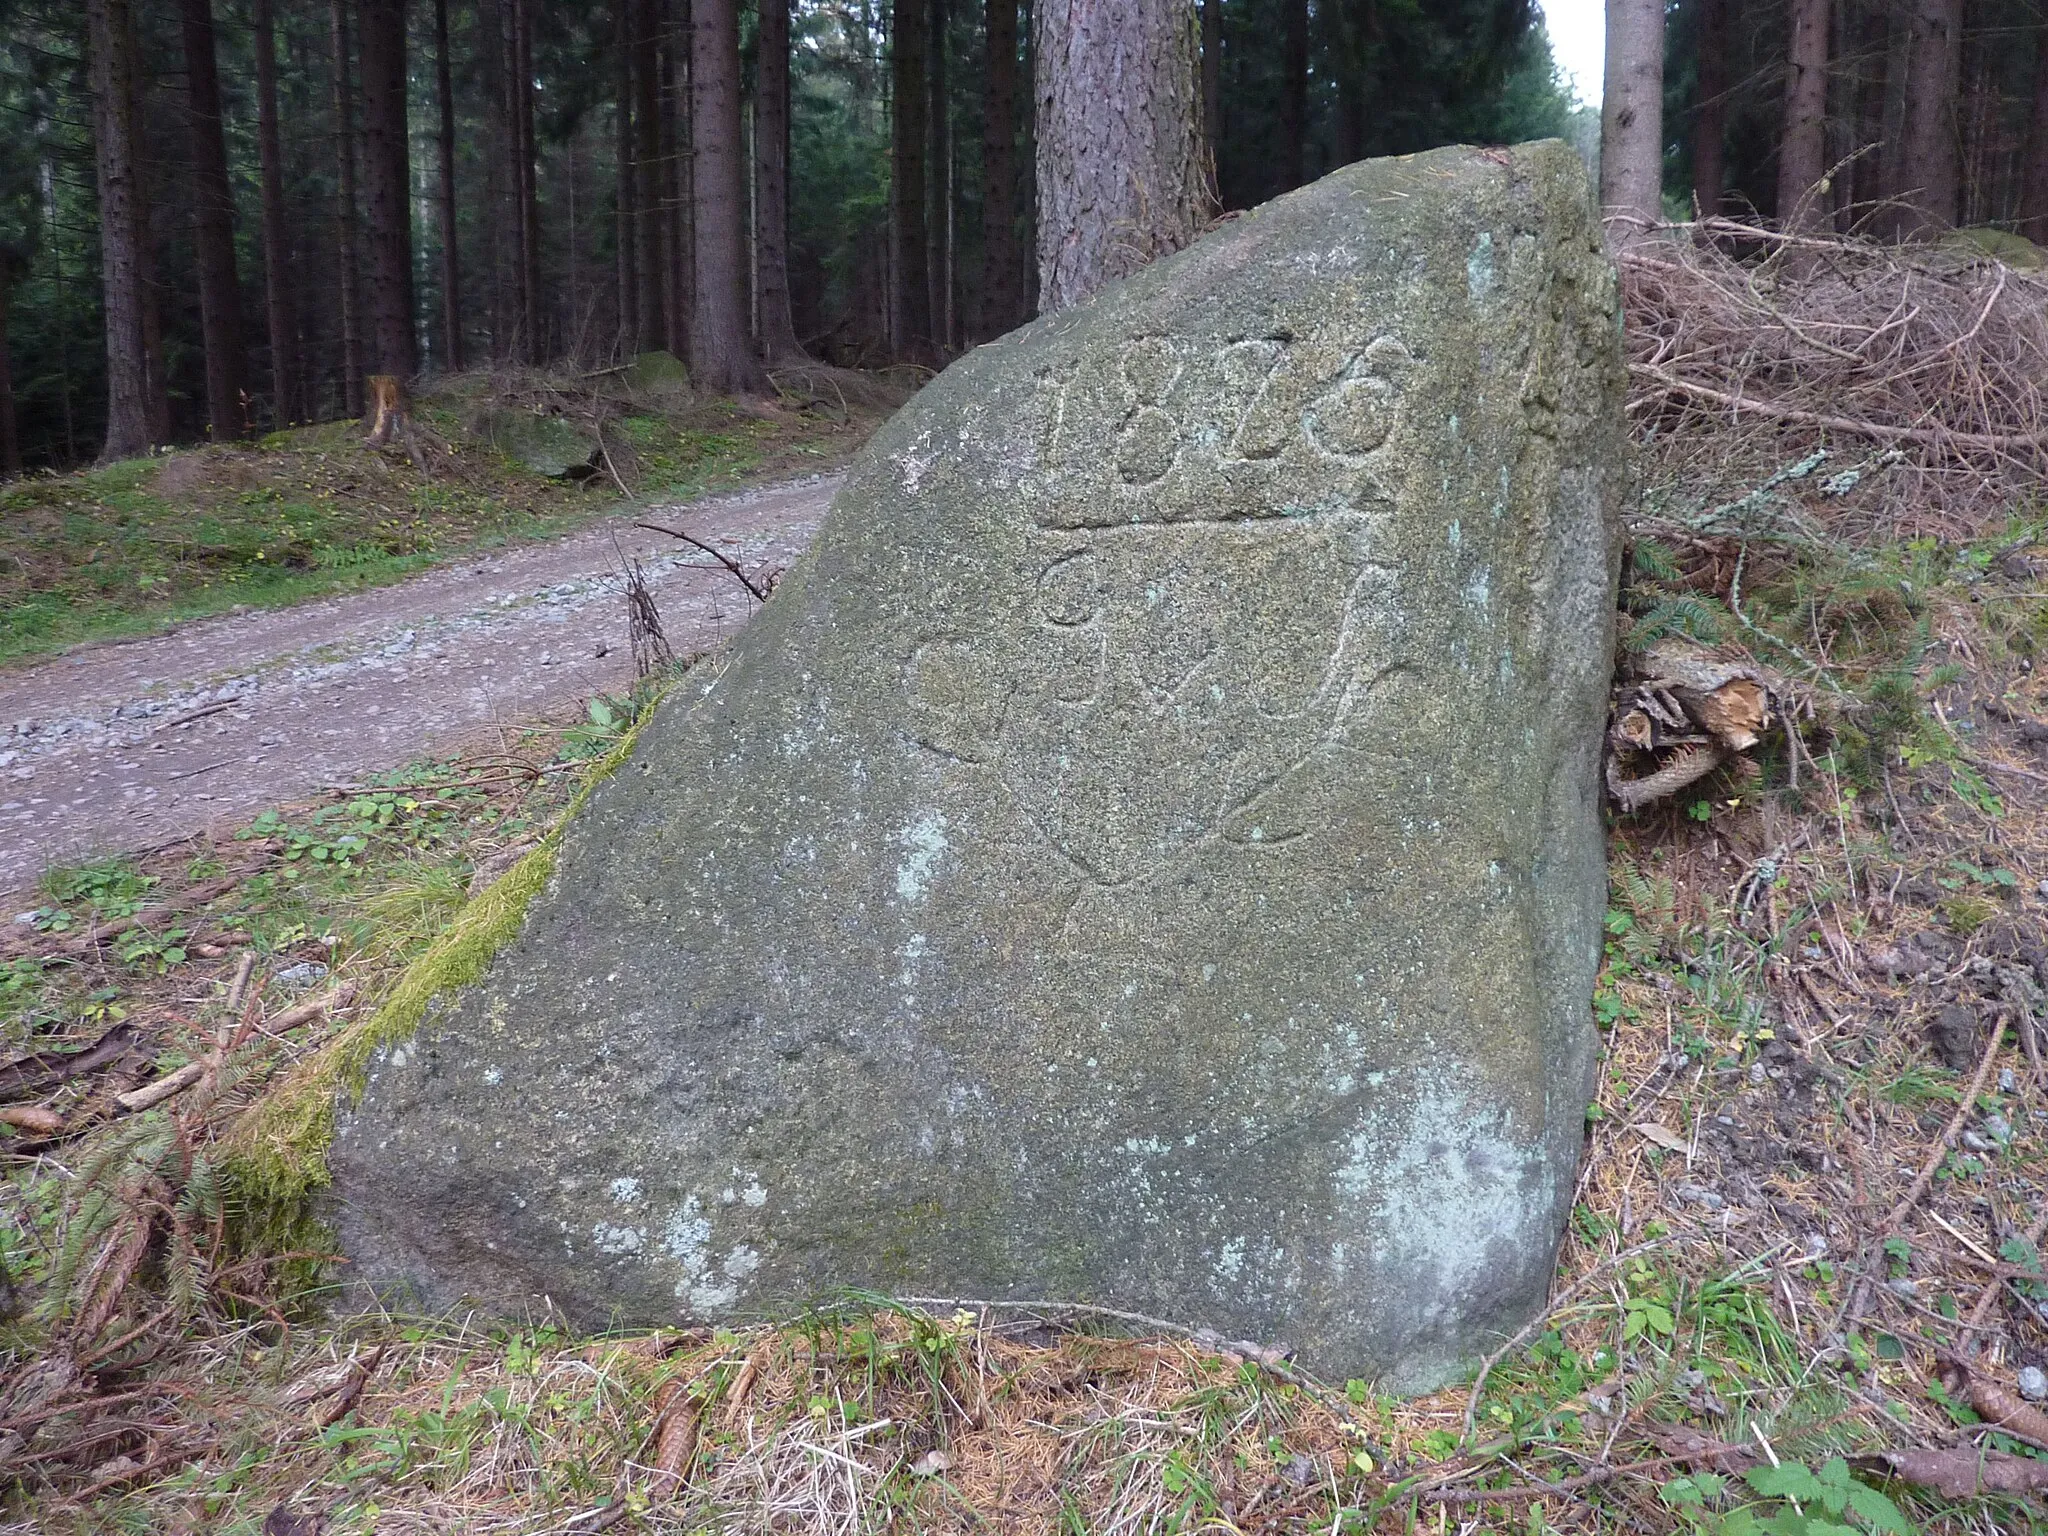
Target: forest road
(131, 745)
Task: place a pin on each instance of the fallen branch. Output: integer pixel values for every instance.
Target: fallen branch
(39, 1073)
(760, 594)
(1958, 1474)
(311, 1009)
(152, 1094)
(1946, 1144)
(1935, 437)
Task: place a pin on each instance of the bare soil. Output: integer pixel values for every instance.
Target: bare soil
(132, 745)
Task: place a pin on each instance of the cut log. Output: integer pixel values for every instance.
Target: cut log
(1684, 714)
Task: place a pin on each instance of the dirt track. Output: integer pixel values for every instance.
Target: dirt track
(130, 745)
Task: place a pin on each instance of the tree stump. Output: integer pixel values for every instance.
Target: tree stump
(391, 410)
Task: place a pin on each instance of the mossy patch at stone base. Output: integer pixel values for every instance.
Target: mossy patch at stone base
(277, 1152)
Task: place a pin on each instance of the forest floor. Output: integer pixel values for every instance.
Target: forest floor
(1801, 1288)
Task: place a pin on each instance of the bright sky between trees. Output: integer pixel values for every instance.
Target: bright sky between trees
(1578, 41)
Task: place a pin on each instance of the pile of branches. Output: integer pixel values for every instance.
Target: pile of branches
(1746, 342)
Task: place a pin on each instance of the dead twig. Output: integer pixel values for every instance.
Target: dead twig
(760, 594)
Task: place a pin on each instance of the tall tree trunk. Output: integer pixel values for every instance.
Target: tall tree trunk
(1632, 116)
(1929, 160)
(675, 314)
(1802, 145)
(1212, 87)
(1293, 94)
(111, 47)
(938, 178)
(682, 266)
(721, 357)
(10, 438)
(911, 301)
(213, 226)
(451, 253)
(1002, 301)
(771, 184)
(148, 172)
(345, 242)
(276, 268)
(1120, 164)
(529, 182)
(1710, 112)
(2034, 174)
(650, 258)
(387, 188)
(627, 188)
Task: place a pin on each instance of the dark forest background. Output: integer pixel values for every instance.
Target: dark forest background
(603, 270)
(564, 130)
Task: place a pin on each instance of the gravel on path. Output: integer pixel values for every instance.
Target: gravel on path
(128, 745)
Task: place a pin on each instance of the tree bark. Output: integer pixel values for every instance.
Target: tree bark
(1929, 159)
(675, 226)
(346, 254)
(111, 47)
(1120, 164)
(1632, 116)
(213, 226)
(1293, 95)
(627, 194)
(451, 253)
(528, 187)
(10, 438)
(1710, 114)
(771, 184)
(2034, 176)
(911, 301)
(276, 243)
(721, 356)
(387, 188)
(938, 178)
(650, 258)
(1002, 301)
(1802, 146)
(1212, 85)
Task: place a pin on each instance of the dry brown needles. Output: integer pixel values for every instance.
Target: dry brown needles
(1748, 345)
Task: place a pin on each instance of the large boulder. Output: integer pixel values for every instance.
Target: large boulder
(1147, 852)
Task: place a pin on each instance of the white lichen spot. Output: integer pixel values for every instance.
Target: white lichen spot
(686, 1237)
(626, 1190)
(1479, 267)
(1230, 1262)
(493, 1077)
(708, 1296)
(741, 1262)
(926, 840)
(616, 1240)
